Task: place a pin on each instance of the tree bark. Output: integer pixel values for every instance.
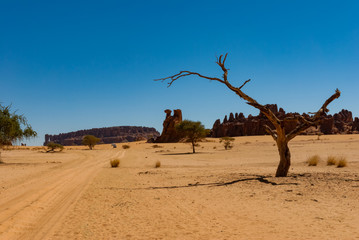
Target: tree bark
(284, 162)
(193, 147)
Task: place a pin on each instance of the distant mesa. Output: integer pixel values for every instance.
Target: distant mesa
(169, 133)
(239, 125)
(107, 135)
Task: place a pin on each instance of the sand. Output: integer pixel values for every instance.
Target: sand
(213, 194)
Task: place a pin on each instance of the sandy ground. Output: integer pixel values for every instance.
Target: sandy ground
(214, 194)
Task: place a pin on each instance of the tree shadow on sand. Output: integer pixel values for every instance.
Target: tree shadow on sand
(187, 153)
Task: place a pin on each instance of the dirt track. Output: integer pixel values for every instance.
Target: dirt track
(32, 208)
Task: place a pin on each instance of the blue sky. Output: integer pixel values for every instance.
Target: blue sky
(71, 65)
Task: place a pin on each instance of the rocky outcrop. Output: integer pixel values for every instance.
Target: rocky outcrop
(239, 125)
(169, 133)
(355, 126)
(107, 135)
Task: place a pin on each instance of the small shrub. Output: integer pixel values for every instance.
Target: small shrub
(319, 134)
(158, 164)
(214, 147)
(342, 162)
(125, 146)
(313, 160)
(51, 147)
(227, 142)
(331, 160)
(157, 146)
(115, 162)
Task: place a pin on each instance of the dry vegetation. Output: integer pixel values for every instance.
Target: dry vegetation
(342, 162)
(313, 160)
(125, 146)
(157, 146)
(158, 164)
(115, 162)
(331, 160)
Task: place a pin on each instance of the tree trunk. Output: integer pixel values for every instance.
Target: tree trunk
(193, 143)
(284, 162)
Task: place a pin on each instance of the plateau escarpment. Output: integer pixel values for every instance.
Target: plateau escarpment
(107, 135)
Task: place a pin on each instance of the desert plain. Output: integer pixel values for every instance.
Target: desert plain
(213, 194)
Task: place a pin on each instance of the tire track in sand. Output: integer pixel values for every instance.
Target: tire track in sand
(33, 209)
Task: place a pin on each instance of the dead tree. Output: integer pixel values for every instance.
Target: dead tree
(279, 134)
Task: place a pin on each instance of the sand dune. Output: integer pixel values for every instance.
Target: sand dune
(215, 194)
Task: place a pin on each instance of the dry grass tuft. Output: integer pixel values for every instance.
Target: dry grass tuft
(342, 162)
(331, 160)
(313, 160)
(125, 146)
(115, 162)
(158, 164)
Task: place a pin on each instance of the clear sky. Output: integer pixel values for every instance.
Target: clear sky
(71, 65)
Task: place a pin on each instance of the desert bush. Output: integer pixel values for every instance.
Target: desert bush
(342, 162)
(90, 141)
(227, 142)
(331, 160)
(157, 146)
(125, 146)
(115, 162)
(51, 147)
(313, 160)
(158, 164)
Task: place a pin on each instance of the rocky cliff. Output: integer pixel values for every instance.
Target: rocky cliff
(169, 133)
(239, 125)
(107, 135)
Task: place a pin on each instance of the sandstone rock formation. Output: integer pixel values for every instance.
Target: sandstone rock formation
(239, 125)
(169, 133)
(107, 135)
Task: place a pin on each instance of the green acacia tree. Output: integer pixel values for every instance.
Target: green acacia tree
(90, 141)
(191, 131)
(13, 127)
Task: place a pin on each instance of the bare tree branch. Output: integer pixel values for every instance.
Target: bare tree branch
(313, 121)
(184, 74)
(244, 83)
(297, 117)
(323, 110)
(271, 132)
